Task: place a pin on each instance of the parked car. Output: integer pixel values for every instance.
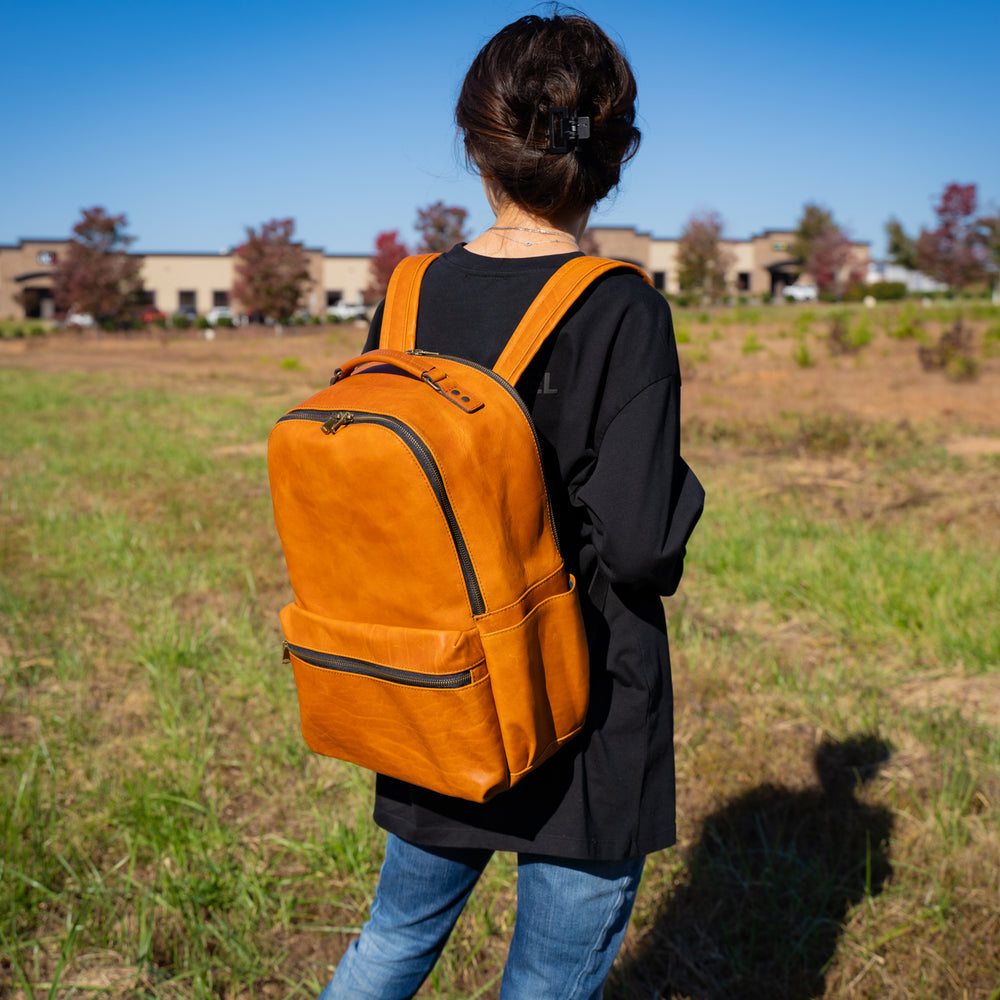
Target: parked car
(79, 319)
(217, 313)
(346, 310)
(188, 312)
(801, 293)
(151, 314)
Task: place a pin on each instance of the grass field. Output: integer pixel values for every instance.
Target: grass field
(836, 640)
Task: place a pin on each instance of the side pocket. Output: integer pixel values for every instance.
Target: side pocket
(539, 670)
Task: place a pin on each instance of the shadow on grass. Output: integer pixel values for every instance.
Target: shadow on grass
(767, 889)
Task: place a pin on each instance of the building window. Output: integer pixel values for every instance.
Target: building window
(659, 280)
(220, 298)
(185, 299)
(743, 281)
(333, 298)
(147, 297)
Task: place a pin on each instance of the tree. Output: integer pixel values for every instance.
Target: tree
(814, 221)
(95, 274)
(702, 261)
(901, 248)
(389, 251)
(953, 253)
(988, 234)
(271, 271)
(832, 263)
(440, 227)
(826, 252)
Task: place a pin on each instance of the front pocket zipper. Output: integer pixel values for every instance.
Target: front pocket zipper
(349, 665)
(334, 420)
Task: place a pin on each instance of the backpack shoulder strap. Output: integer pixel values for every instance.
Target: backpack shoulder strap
(549, 307)
(399, 317)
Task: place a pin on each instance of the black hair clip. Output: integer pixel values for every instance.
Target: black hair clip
(565, 129)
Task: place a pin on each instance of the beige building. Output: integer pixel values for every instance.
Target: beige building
(762, 265)
(171, 280)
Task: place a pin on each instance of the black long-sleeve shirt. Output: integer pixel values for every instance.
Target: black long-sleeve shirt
(604, 393)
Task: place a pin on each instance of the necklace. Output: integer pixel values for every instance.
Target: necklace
(502, 230)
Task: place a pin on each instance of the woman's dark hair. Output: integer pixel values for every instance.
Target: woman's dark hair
(527, 68)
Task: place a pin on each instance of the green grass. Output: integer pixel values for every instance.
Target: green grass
(165, 832)
(888, 592)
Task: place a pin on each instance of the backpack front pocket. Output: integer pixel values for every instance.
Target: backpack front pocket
(415, 704)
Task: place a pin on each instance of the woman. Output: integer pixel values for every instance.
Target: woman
(604, 395)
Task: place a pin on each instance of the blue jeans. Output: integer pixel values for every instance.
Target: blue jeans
(571, 918)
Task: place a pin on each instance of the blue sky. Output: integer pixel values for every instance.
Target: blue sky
(199, 119)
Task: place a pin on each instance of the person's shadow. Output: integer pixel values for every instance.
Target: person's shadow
(767, 889)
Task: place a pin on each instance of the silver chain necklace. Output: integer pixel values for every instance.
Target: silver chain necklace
(565, 237)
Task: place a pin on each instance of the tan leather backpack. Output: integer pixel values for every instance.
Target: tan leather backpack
(435, 634)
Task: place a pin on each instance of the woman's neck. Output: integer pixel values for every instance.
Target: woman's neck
(520, 233)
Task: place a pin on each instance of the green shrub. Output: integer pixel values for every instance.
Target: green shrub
(224, 321)
(181, 323)
(961, 368)
(885, 291)
(845, 338)
(952, 354)
(201, 323)
(908, 326)
(15, 329)
(802, 356)
(991, 341)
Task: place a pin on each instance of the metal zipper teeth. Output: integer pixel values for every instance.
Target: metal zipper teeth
(349, 665)
(512, 392)
(430, 468)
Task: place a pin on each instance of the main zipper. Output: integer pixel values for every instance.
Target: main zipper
(349, 665)
(513, 393)
(333, 420)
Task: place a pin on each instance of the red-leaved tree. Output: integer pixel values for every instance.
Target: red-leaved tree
(953, 253)
(95, 274)
(702, 261)
(826, 252)
(441, 227)
(833, 263)
(389, 251)
(271, 271)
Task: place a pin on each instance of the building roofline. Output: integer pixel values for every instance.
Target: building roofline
(33, 239)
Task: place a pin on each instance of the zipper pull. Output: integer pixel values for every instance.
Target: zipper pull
(337, 420)
(286, 653)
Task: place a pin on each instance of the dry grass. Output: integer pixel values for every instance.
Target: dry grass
(167, 834)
